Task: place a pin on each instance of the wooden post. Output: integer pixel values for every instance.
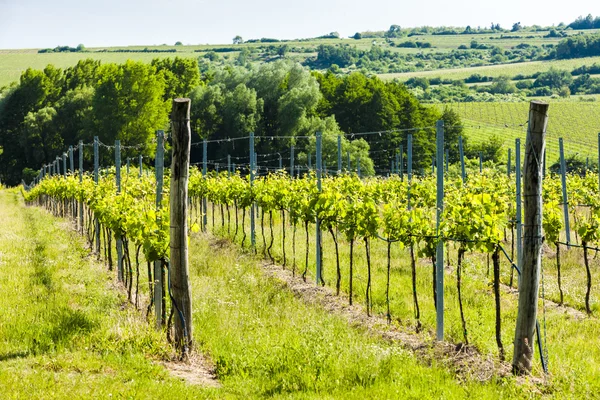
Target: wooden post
(120, 274)
(439, 257)
(179, 268)
(532, 238)
(158, 267)
(96, 168)
(80, 148)
(317, 221)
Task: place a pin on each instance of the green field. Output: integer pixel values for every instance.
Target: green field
(13, 62)
(525, 68)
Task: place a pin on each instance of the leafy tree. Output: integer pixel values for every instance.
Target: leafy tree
(554, 78)
(502, 85)
(39, 140)
(238, 40)
(128, 104)
(181, 75)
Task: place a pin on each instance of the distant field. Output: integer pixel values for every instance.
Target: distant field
(525, 68)
(578, 123)
(13, 62)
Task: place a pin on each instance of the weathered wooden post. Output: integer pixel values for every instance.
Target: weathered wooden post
(158, 265)
(120, 274)
(179, 279)
(532, 238)
(80, 148)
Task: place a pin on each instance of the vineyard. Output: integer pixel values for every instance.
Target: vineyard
(577, 122)
(378, 245)
(440, 255)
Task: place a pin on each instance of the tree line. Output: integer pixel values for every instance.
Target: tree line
(50, 109)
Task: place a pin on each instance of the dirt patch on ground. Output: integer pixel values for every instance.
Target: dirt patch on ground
(465, 361)
(197, 370)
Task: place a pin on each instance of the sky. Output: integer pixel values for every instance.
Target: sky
(50, 23)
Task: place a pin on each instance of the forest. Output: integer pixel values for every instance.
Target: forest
(51, 109)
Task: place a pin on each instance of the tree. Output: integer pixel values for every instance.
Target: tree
(394, 31)
(356, 149)
(181, 75)
(453, 129)
(516, 27)
(502, 85)
(128, 104)
(178, 44)
(357, 36)
(238, 40)
(283, 50)
(554, 78)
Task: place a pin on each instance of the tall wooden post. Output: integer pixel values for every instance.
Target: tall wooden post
(532, 237)
(80, 148)
(439, 256)
(120, 274)
(158, 266)
(179, 279)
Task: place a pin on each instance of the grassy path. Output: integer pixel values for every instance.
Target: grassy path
(66, 332)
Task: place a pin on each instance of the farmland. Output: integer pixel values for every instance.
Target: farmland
(578, 123)
(338, 220)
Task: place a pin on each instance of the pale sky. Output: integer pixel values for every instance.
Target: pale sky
(49, 23)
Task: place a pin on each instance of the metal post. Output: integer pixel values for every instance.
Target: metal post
(447, 158)
(204, 171)
(253, 205)
(309, 160)
(292, 161)
(158, 270)
(96, 167)
(409, 157)
(480, 162)
(349, 163)
(563, 180)
(280, 162)
(140, 158)
(317, 222)
(64, 160)
(519, 215)
(508, 166)
(118, 181)
(128, 162)
(462, 159)
(229, 164)
(401, 163)
(339, 153)
(439, 258)
(71, 161)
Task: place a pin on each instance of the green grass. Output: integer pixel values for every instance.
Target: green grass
(67, 332)
(574, 372)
